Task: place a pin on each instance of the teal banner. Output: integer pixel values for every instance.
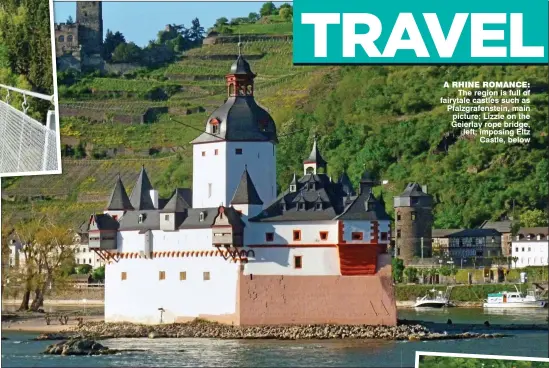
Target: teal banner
(421, 32)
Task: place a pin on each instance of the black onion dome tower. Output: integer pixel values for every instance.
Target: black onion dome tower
(240, 118)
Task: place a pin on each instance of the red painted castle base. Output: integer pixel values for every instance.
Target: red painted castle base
(285, 300)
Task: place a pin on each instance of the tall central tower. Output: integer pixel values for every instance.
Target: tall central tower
(89, 16)
(239, 135)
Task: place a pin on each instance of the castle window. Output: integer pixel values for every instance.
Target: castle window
(238, 151)
(201, 216)
(231, 89)
(413, 216)
(69, 38)
(203, 153)
(293, 188)
(123, 276)
(206, 276)
(216, 152)
(398, 216)
(269, 237)
(162, 275)
(167, 217)
(319, 206)
(298, 262)
(283, 206)
(414, 201)
(209, 190)
(357, 235)
(398, 234)
(297, 235)
(323, 235)
(384, 236)
(115, 217)
(182, 276)
(215, 126)
(141, 218)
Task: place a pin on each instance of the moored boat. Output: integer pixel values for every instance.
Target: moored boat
(515, 299)
(434, 299)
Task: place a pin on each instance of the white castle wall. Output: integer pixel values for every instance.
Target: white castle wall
(187, 240)
(283, 232)
(316, 261)
(138, 298)
(224, 170)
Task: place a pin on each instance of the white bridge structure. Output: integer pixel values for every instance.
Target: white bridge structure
(27, 146)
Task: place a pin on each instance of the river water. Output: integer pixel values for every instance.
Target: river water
(18, 351)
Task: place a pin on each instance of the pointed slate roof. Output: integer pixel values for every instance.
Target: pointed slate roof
(179, 202)
(346, 184)
(413, 190)
(119, 200)
(315, 156)
(245, 192)
(141, 197)
(365, 207)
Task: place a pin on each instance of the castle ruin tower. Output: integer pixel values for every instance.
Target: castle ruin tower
(413, 223)
(89, 16)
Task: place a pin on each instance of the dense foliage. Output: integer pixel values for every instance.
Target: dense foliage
(25, 49)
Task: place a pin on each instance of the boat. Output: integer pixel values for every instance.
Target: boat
(434, 299)
(515, 299)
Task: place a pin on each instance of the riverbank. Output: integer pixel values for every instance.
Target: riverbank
(36, 322)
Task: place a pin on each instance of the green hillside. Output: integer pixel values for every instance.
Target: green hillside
(384, 118)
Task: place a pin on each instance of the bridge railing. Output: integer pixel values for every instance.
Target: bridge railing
(27, 146)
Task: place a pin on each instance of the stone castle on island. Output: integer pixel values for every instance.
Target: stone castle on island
(232, 249)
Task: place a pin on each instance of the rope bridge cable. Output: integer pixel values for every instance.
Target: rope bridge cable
(26, 145)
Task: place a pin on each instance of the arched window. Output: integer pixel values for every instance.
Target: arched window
(231, 89)
(61, 38)
(214, 123)
(249, 90)
(69, 38)
(242, 91)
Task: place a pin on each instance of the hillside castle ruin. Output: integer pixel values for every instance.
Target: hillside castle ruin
(79, 45)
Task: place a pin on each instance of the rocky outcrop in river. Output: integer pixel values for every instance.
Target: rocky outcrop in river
(203, 329)
(79, 347)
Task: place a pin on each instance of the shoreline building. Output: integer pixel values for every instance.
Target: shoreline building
(530, 246)
(234, 251)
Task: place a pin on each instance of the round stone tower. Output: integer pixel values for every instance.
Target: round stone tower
(413, 223)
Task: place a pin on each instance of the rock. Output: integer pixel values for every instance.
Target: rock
(486, 323)
(449, 322)
(4, 338)
(152, 335)
(53, 336)
(79, 347)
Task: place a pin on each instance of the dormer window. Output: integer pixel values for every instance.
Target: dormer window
(318, 206)
(293, 188)
(141, 218)
(301, 206)
(214, 123)
(202, 216)
(263, 125)
(283, 206)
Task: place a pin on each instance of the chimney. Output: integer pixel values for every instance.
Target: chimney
(424, 189)
(154, 197)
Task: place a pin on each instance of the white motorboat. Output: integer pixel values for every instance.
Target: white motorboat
(515, 299)
(434, 299)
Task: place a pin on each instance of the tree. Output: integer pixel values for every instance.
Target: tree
(127, 53)
(533, 218)
(398, 268)
(515, 260)
(268, 9)
(285, 14)
(195, 34)
(453, 272)
(253, 17)
(221, 22)
(411, 274)
(83, 269)
(70, 20)
(99, 274)
(45, 248)
(112, 40)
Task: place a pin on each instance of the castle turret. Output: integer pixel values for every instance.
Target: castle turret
(246, 199)
(314, 162)
(238, 134)
(144, 196)
(119, 202)
(413, 223)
